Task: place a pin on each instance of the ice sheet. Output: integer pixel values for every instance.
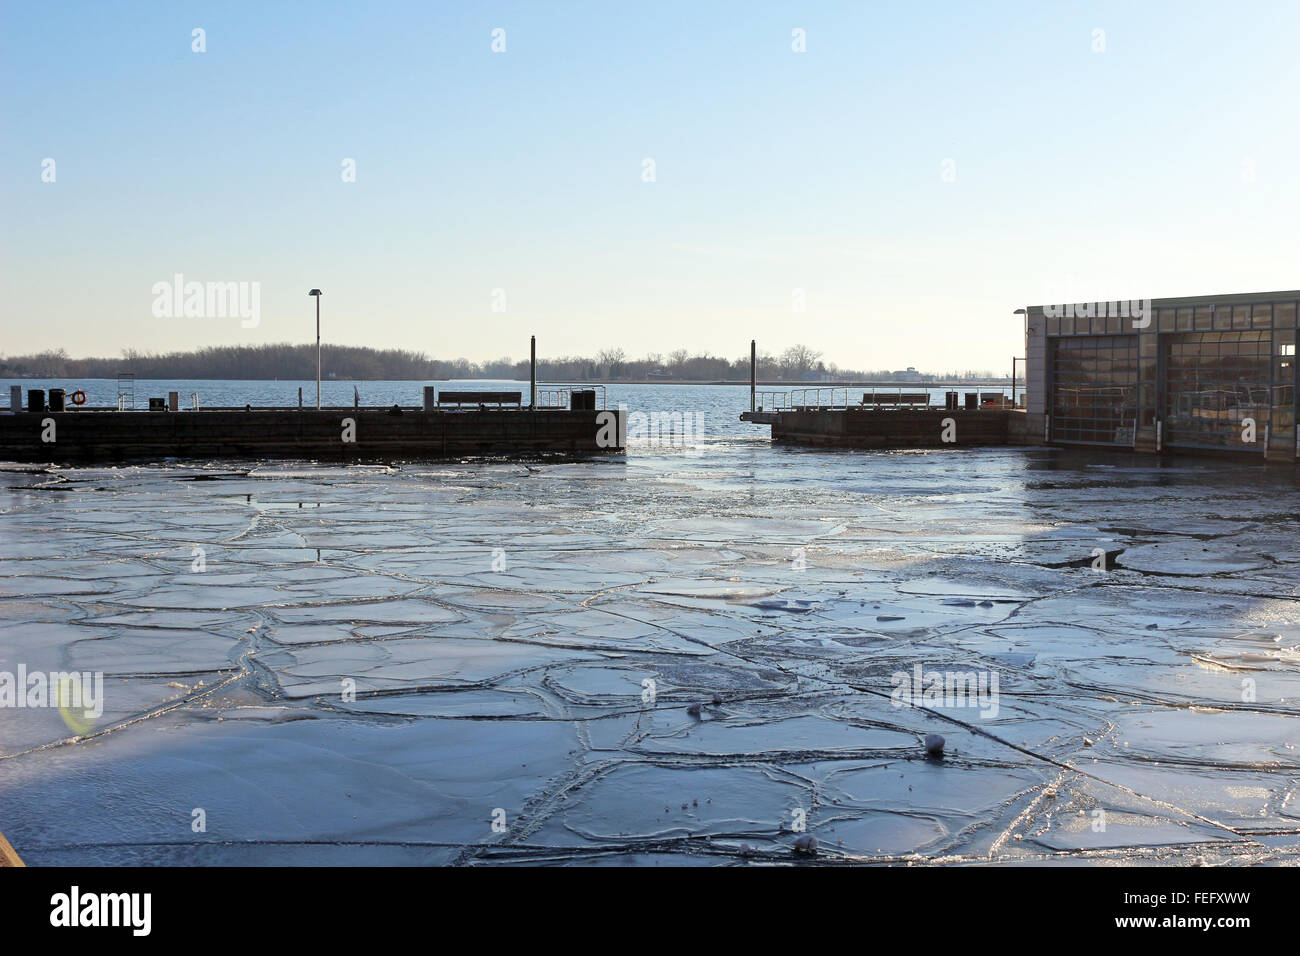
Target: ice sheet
(486, 663)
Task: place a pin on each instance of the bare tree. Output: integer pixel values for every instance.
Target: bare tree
(611, 360)
(799, 360)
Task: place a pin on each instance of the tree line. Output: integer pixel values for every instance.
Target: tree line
(360, 363)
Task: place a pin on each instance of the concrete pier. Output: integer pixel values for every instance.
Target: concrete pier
(330, 434)
(929, 428)
(894, 428)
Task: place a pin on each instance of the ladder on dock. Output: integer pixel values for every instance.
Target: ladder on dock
(125, 391)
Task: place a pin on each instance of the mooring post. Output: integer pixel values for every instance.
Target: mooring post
(317, 294)
(299, 398)
(753, 371)
(532, 374)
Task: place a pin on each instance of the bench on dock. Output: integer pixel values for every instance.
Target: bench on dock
(480, 398)
(904, 398)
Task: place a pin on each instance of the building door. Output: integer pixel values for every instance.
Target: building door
(1216, 390)
(1094, 389)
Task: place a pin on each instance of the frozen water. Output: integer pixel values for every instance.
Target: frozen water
(484, 663)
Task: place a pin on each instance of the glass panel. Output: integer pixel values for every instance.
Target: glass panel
(1184, 320)
(1284, 383)
(1204, 317)
(1261, 316)
(1213, 383)
(1284, 315)
(1241, 317)
(1165, 319)
(1094, 389)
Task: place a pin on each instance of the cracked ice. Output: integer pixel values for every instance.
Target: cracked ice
(370, 662)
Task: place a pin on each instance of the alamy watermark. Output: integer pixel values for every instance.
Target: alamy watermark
(934, 688)
(69, 691)
(651, 429)
(127, 910)
(208, 300)
(1139, 310)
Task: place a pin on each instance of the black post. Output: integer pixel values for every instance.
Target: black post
(753, 371)
(532, 374)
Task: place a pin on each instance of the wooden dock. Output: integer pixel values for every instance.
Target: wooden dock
(330, 434)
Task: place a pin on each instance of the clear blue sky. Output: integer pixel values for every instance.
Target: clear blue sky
(1165, 165)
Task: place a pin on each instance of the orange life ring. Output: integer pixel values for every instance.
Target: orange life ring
(78, 397)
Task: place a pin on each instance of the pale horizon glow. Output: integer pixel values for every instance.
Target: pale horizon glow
(1161, 166)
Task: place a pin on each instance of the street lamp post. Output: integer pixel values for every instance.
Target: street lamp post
(1025, 313)
(316, 293)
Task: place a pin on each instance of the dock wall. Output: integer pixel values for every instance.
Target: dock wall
(343, 434)
(903, 428)
(1026, 428)
(937, 428)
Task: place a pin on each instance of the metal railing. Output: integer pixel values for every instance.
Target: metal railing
(561, 396)
(876, 395)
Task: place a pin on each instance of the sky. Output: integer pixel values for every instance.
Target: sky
(636, 176)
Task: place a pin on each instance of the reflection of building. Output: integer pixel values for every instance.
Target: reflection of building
(1200, 372)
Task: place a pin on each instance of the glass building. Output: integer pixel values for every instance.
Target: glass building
(1204, 372)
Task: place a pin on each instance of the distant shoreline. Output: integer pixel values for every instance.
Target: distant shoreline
(761, 383)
